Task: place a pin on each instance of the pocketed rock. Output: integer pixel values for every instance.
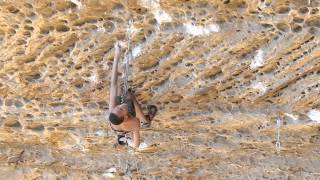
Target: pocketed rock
(221, 72)
(12, 122)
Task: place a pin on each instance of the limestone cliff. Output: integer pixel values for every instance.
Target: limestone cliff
(220, 71)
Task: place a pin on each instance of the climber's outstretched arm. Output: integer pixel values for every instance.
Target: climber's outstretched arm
(114, 77)
(137, 108)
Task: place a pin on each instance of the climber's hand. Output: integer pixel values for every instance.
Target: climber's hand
(118, 146)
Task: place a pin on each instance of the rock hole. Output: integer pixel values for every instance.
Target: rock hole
(13, 9)
(62, 28)
(36, 128)
(78, 67)
(226, 1)
(18, 104)
(303, 10)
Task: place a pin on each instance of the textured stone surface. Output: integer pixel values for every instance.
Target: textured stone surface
(221, 72)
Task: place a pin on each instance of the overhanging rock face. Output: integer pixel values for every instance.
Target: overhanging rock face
(220, 71)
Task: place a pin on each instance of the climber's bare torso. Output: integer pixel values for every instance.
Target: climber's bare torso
(126, 122)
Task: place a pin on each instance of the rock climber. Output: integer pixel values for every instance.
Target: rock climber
(125, 111)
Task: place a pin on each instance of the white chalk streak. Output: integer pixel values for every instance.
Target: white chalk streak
(112, 170)
(109, 175)
(137, 50)
(78, 3)
(154, 5)
(200, 30)
(93, 78)
(142, 145)
(258, 59)
(291, 116)
(260, 86)
(161, 16)
(314, 115)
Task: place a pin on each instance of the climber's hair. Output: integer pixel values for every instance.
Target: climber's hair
(114, 119)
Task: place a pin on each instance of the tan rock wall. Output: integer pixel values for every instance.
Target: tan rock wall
(220, 71)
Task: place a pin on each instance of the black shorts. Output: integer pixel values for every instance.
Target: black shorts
(129, 102)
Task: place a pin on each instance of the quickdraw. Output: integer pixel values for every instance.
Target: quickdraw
(127, 59)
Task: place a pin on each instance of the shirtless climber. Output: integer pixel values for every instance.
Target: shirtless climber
(125, 111)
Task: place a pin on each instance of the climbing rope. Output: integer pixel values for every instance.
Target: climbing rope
(278, 145)
(127, 59)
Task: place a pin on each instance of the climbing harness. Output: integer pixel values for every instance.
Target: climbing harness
(127, 59)
(278, 145)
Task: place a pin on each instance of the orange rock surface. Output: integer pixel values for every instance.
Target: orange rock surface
(220, 71)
